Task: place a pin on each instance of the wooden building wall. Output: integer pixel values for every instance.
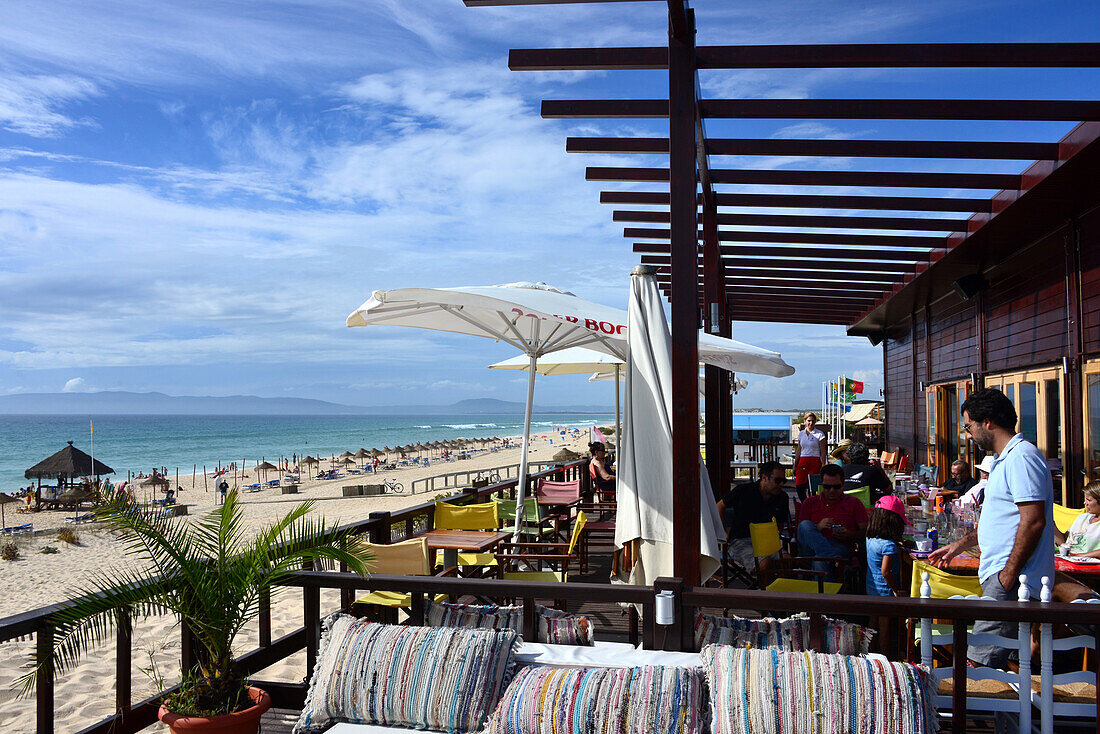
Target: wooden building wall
(1025, 318)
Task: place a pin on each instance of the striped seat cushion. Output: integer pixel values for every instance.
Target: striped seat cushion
(644, 700)
(791, 634)
(554, 626)
(770, 691)
(442, 679)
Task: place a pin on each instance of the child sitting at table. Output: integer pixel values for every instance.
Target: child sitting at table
(884, 530)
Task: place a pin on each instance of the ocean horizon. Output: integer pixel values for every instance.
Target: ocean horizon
(138, 443)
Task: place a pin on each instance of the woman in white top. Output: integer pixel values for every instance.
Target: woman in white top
(809, 454)
(1083, 536)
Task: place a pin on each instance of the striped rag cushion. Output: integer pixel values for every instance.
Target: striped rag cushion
(646, 700)
(775, 692)
(444, 679)
(554, 625)
(791, 634)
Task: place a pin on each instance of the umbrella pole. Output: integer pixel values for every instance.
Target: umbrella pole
(521, 484)
(618, 411)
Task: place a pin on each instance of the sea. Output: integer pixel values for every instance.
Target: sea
(139, 443)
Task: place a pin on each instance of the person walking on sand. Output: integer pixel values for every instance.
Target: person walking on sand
(809, 454)
(1015, 533)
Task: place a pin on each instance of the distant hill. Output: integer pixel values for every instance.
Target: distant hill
(118, 402)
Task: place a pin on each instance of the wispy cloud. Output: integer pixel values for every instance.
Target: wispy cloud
(33, 105)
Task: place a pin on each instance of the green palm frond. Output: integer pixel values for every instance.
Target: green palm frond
(209, 574)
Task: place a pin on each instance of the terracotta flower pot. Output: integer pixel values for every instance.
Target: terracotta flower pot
(241, 722)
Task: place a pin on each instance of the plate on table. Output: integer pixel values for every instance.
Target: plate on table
(1079, 559)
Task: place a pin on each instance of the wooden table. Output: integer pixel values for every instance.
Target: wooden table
(557, 517)
(453, 541)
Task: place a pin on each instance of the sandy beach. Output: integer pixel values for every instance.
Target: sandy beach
(86, 693)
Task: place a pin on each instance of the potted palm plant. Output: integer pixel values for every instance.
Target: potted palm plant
(210, 574)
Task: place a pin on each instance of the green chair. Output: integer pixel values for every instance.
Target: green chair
(863, 494)
(535, 525)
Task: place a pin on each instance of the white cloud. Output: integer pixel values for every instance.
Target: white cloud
(76, 384)
(31, 104)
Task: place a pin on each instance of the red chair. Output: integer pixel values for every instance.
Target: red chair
(558, 499)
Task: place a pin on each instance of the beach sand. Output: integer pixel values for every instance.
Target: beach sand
(86, 693)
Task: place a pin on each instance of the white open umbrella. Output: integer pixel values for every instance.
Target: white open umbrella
(538, 319)
(575, 361)
(644, 479)
(534, 318)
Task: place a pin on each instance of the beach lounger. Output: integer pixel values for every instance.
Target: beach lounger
(273, 483)
(253, 487)
(82, 518)
(25, 529)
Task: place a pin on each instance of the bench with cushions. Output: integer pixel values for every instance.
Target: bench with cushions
(378, 678)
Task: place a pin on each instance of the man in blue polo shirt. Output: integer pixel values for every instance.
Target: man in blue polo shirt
(1016, 530)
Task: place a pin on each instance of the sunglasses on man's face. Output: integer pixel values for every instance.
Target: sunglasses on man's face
(832, 486)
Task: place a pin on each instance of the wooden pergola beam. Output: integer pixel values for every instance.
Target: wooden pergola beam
(816, 56)
(804, 238)
(832, 109)
(739, 264)
(816, 221)
(783, 177)
(814, 201)
(880, 255)
(956, 149)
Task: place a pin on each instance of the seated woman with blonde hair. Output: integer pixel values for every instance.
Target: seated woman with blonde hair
(1083, 536)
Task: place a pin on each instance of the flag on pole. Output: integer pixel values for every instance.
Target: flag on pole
(853, 387)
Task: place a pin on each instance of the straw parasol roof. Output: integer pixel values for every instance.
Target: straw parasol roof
(377, 452)
(68, 462)
(154, 482)
(347, 461)
(362, 454)
(345, 455)
(310, 460)
(4, 500)
(266, 466)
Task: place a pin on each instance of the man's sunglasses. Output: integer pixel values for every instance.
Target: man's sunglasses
(832, 486)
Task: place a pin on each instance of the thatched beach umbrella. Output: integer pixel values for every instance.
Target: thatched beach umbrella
(265, 467)
(4, 500)
(66, 464)
(348, 461)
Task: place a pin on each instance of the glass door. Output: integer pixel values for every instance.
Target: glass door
(1037, 396)
(947, 438)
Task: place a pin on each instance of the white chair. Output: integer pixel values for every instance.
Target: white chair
(1014, 695)
(1054, 690)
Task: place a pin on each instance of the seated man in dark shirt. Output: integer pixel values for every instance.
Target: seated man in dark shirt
(962, 479)
(858, 472)
(753, 502)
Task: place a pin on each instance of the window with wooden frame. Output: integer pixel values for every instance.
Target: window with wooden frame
(1091, 399)
(1038, 396)
(947, 440)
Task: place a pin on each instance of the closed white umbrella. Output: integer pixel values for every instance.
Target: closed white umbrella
(644, 477)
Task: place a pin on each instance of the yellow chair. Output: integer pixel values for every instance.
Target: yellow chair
(944, 585)
(407, 558)
(765, 538)
(483, 516)
(1064, 517)
(539, 553)
(765, 542)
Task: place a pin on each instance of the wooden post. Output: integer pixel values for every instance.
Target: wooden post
(311, 618)
(123, 655)
(958, 674)
(44, 679)
(265, 617)
(1073, 443)
(684, 293)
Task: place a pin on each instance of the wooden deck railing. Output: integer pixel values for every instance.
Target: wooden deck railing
(389, 526)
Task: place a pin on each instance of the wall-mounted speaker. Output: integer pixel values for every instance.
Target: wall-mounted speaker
(969, 286)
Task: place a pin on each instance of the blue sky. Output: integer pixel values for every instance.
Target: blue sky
(194, 195)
